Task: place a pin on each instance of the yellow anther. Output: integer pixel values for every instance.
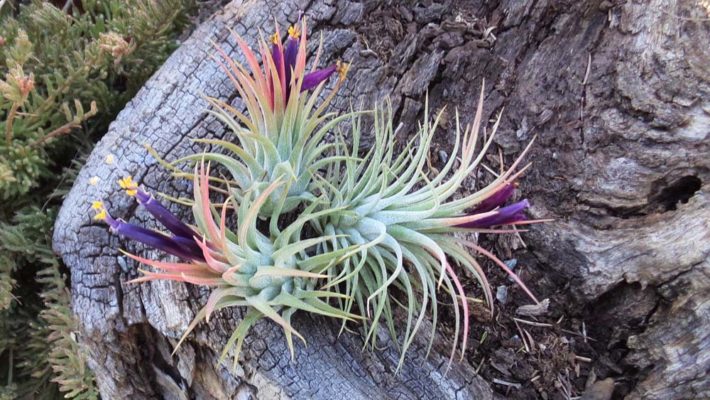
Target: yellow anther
(294, 32)
(129, 185)
(126, 182)
(97, 205)
(101, 215)
(275, 39)
(342, 69)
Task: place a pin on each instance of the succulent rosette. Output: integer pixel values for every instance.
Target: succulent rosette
(310, 225)
(272, 276)
(402, 223)
(281, 133)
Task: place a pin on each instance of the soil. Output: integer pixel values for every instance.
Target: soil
(551, 356)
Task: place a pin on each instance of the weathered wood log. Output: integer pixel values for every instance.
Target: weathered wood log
(129, 330)
(618, 96)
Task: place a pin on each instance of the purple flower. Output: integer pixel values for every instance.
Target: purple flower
(314, 78)
(176, 246)
(497, 199)
(504, 216)
(191, 246)
(180, 243)
(165, 217)
(277, 54)
(289, 56)
(286, 55)
(152, 238)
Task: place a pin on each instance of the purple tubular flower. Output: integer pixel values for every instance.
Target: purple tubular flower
(165, 217)
(290, 54)
(314, 78)
(190, 246)
(496, 199)
(506, 215)
(153, 239)
(277, 55)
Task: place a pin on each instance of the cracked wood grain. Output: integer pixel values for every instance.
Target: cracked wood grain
(129, 330)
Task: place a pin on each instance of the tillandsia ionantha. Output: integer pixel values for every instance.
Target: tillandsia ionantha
(281, 134)
(402, 223)
(349, 237)
(270, 275)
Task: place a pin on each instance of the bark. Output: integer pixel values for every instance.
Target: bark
(618, 96)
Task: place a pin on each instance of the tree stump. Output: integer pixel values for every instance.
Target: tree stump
(618, 96)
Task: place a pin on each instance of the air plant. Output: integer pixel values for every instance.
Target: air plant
(272, 277)
(401, 223)
(342, 235)
(282, 131)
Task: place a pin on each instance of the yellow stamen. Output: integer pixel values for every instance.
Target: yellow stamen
(126, 182)
(342, 69)
(294, 32)
(129, 185)
(101, 215)
(99, 206)
(275, 39)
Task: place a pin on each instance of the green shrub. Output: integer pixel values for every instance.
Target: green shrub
(64, 74)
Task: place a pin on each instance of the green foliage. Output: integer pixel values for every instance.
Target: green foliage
(60, 70)
(317, 221)
(64, 74)
(56, 326)
(7, 282)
